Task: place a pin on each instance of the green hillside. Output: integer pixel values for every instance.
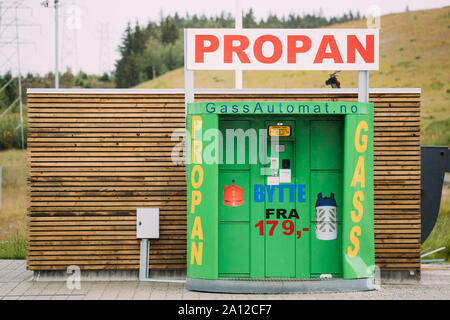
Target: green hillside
(414, 49)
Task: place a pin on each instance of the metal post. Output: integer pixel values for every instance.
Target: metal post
(144, 259)
(1, 186)
(188, 89)
(56, 46)
(144, 271)
(188, 77)
(238, 25)
(363, 86)
(19, 79)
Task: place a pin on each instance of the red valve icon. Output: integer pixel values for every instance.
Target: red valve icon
(233, 196)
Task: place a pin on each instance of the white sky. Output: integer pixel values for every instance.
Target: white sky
(85, 52)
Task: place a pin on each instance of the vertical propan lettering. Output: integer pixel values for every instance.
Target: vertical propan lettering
(197, 177)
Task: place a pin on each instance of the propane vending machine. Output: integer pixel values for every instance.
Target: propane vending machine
(280, 196)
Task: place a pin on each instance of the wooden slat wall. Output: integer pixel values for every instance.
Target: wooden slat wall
(94, 158)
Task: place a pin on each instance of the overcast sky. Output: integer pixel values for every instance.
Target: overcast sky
(81, 22)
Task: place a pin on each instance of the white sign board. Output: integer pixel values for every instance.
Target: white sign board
(273, 181)
(285, 175)
(282, 49)
(147, 223)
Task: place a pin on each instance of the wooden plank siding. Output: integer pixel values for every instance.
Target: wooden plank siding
(94, 158)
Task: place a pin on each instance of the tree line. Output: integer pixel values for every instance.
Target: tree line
(152, 50)
(67, 79)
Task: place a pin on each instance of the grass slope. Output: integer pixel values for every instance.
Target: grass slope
(414, 48)
(440, 236)
(13, 208)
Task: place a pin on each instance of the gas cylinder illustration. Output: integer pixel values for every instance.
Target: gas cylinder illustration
(233, 196)
(326, 217)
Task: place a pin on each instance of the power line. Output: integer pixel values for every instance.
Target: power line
(104, 52)
(10, 47)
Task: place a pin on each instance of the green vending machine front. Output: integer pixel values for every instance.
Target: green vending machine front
(234, 205)
(280, 200)
(326, 161)
(279, 195)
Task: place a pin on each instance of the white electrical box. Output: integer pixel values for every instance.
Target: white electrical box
(147, 223)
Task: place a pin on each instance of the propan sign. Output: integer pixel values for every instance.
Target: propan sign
(282, 49)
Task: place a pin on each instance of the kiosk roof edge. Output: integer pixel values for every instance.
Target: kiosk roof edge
(210, 91)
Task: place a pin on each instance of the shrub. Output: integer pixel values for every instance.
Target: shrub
(437, 85)
(437, 133)
(14, 247)
(10, 132)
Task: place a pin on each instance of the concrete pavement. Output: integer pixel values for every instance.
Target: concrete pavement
(16, 284)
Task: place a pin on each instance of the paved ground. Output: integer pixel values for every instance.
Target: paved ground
(15, 283)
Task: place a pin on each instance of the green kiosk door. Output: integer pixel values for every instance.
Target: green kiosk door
(326, 158)
(279, 201)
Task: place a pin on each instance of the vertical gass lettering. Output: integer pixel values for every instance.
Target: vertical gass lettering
(358, 206)
(196, 182)
(354, 234)
(358, 181)
(361, 147)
